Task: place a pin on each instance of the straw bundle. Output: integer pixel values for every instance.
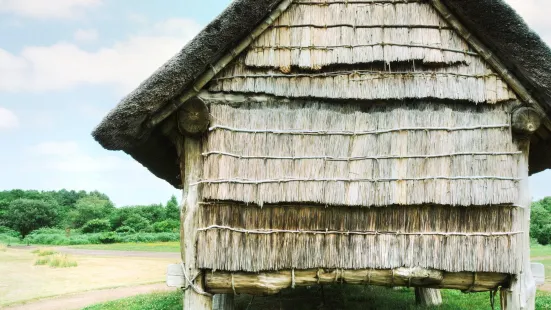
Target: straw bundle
(363, 50)
(237, 237)
(223, 249)
(358, 33)
(354, 154)
(473, 82)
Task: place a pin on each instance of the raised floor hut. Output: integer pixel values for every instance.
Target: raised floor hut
(378, 142)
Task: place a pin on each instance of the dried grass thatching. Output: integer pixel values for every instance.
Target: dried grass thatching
(361, 155)
(247, 238)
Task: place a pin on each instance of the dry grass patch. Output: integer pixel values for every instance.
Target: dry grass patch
(57, 261)
(40, 282)
(44, 252)
(62, 261)
(3, 247)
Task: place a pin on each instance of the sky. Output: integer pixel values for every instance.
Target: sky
(65, 63)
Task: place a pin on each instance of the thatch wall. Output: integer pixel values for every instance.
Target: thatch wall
(360, 155)
(363, 50)
(358, 135)
(248, 238)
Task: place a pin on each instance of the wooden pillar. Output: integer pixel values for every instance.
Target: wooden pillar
(191, 166)
(522, 293)
(428, 296)
(223, 302)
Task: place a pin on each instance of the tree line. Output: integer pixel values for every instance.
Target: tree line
(25, 211)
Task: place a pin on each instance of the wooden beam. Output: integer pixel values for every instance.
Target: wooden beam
(525, 120)
(266, 283)
(491, 59)
(191, 164)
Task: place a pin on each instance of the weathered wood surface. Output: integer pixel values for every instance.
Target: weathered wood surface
(266, 283)
(428, 296)
(521, 294)
(223, 302)
(526, 120)
(193, 117)
(192, 168)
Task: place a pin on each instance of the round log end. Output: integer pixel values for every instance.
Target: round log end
(526, 120)
(193, 117)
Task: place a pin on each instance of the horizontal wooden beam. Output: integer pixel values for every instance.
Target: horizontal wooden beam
(266, 283)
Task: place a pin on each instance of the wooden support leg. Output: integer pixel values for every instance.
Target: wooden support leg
(428, 296)
(522, 293)
(190, 152)
(223, 302)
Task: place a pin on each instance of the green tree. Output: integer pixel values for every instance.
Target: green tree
(26, 215)
(90, 208)
(166, 226)
(137, 222)
(96, 226)
(172, 210)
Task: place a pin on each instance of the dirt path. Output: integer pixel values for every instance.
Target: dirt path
(118, 253)
(81, 300)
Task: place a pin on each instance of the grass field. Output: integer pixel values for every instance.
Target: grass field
(21, 280)
(336, 297)
(149, 247)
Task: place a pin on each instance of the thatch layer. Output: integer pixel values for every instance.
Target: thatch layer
(237, 237)
(474, 82)
(348, 27)
(310, 37)
(393, 219)
(237, 251)
(362, 155)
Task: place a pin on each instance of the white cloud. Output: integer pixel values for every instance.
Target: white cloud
(64, 148)
(86, 35)
(536, 15)
(68, 156)
(8, 119)
(123, 65)
(47, 9)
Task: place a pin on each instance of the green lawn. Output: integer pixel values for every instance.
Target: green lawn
(155, 301)
(336, 297)
(149, 247)
(537, 250)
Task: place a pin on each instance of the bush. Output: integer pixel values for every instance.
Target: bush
(166, 226)
(125, 230)
(98, 238)
(137, 222)
(109, 237)
(96, 226)
(544, 236)
(9, 232)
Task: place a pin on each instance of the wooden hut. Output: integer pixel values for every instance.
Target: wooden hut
(377, 142)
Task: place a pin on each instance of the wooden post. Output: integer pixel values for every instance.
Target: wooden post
(428, 296)
(191, 166)
(223, 302)
(522, 293)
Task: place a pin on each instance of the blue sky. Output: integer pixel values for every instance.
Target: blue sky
(65, 63)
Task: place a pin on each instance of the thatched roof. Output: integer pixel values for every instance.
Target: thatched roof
(492, 21)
